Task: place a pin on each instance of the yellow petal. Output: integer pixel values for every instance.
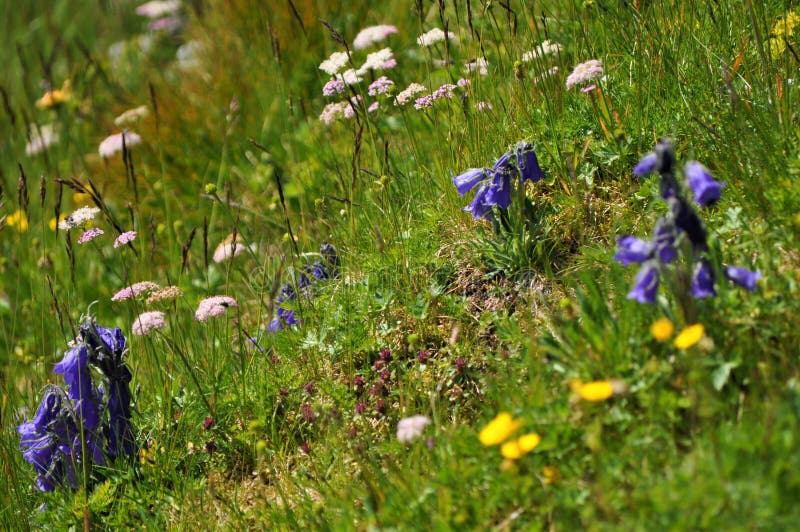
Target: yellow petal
(529, 442)
(499, 429)
(689, 336)
(662, 329)
(511, 450)
(596, 391)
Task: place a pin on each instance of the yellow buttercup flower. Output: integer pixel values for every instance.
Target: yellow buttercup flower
(514, 449)
(17, 220)
(596, 391)
(499, 429)
(55, 97)
(689, 336)
(662, 329)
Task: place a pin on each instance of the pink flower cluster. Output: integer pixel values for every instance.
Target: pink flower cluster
(584, 73)
(380, 86)
(125, 238)
(212, 307)
(89, 235)
(148, 322)
(135, 290)
(445, 91)
(333, 87)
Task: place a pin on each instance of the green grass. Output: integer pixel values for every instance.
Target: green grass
(701, 439)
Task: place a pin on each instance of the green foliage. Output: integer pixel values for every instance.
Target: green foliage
(431, 312)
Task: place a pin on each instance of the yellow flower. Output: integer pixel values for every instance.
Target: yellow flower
(689, 336)
(19, 220)
(499, 429)
(55, 97)
(596, 391)
(785, 25)
(662, 329)
(549, 474)
(521, 446)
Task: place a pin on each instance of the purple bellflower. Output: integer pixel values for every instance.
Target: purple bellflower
(703, 280)
(706, 189)
(646, 284)
(743, 277)
(647, 165)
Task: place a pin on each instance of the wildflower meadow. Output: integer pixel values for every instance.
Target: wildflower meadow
(408, 265)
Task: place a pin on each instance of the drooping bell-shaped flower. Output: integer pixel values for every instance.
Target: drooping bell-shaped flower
(706, 189)
(703, 280)
(75, 369)
(632, 250)
(469, 180)
(664, 235)
(499, 192)
(528, 164)
(743, 277)
(646, 165)
(646, 283)
(479, 207)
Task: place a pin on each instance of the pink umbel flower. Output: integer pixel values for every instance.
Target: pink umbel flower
(333, 87)
(411, 428)
(90, 235)
(584, 73)
(434, 36)
(463, 83)
(212, 307)
(372, 35)
(373, 107)
(135, 290)
(113, 143)
(423, 102)
(158, 8)
(407, 94)
(484, 106)
(445, 91)
(125, 238)
(380, 86)
(332, 111)
(148, 322)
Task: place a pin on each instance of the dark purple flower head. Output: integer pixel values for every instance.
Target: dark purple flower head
(75, 369)
(499, 192)
(706, 189)
(469, 180)
(528, 164)
(743, 277)
(480, 208)
(504, 164)
(646, 284)
(703, 280)
(687, 220)
(632, 250)
(646, 165)
(50, 442)
(664, 235)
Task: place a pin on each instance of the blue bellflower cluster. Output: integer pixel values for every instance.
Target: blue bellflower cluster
(681, 221)
(494, 184)
(321, 270)
(85, 419)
